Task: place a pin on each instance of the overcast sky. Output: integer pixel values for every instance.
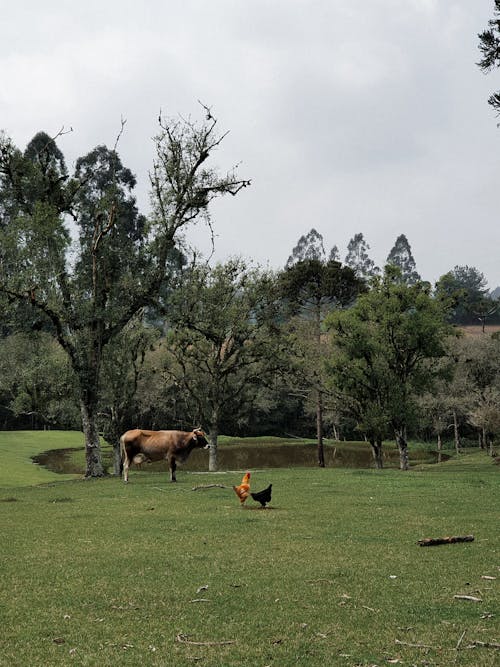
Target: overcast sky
(349, 116)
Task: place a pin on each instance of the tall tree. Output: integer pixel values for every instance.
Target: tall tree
(357, 258)
(478, 360)
(489, 45)
(401, 257)
(121, 259)
(224, 344)
(387, 344)
(465, 287)
(334, 254)
(311, 289)
(122, 368)
(309, 246)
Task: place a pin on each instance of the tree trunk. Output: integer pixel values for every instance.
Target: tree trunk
(93, 455)
(376, 445)
(455, 431)
(117, 459)
(440, 447)
(213, 433)
(404, 463)
(319, 429)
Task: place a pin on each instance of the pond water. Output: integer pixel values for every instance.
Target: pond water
(238, 457)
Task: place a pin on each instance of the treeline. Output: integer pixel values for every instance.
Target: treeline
(110, 322)
(308, 351)
(472, 301)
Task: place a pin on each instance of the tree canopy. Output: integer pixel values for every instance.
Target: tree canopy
(87, 292)
(401, 257)
(384, 349)
(489, 45)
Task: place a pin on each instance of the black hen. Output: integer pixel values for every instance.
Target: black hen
(264, 496)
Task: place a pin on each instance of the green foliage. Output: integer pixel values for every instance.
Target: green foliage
(465, 289)
(120, 261)
(385, 350)
(311, 286)
(224, 343)
(308, 247)
(478, 376)
(309, 290)
(37, 384)
(489, 45)
(122, 369)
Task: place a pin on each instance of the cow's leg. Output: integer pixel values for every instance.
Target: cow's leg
(173, 468)
(125, 468)
(124, 459)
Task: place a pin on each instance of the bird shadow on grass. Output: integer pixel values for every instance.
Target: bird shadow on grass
(258, 509)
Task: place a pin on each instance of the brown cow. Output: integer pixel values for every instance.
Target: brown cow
(137, 446)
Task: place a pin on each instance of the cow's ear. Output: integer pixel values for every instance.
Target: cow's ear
(195, 436)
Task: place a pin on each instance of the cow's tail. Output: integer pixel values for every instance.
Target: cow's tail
(122, 453)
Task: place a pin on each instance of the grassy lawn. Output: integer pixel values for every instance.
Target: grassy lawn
(17, 448)
(152, 573)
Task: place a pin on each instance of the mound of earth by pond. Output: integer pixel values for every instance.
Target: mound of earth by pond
(247, 456)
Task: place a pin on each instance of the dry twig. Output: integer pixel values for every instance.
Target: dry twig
(184, 640)
(460, 640)
(471, 598)
(476, 643)
(433, 541)
(397, 641)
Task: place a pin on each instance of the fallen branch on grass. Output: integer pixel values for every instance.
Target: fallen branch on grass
(475, 644)
(460, 640)
(397, 641)
(433, 541)
(471, 598)
(209, 486)
(184, 640)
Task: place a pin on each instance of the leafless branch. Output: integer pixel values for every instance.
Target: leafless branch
(123, 122)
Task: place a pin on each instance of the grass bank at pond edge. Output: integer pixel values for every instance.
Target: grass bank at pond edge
(17, 449)
(234, 454)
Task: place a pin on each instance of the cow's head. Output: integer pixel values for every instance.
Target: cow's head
(200, 439)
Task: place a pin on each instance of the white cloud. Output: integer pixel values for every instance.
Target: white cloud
(348, 116)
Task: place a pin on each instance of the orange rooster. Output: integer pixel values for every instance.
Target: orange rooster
(243, 490)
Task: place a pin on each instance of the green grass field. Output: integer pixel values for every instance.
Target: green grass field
(17, 448)
(152, 573)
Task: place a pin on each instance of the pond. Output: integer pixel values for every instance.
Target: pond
(239, 457)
